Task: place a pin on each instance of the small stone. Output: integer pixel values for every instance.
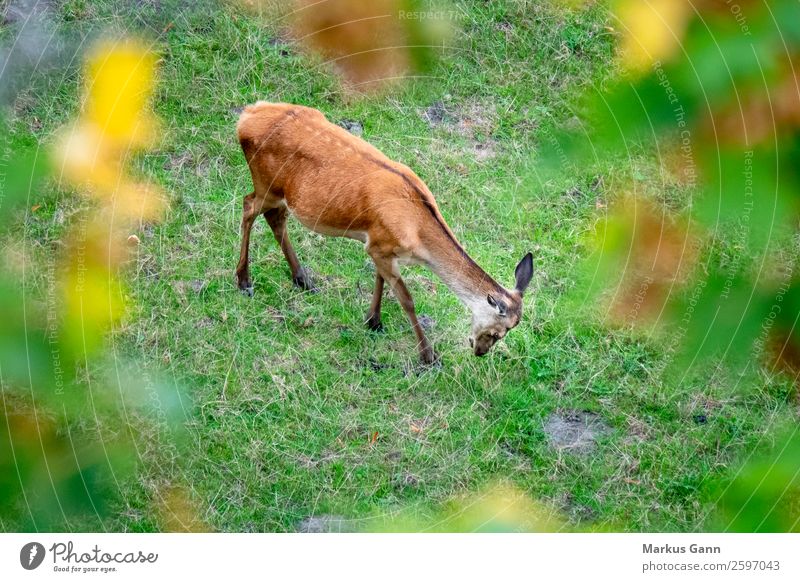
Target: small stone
(354, 127)
(133, 241)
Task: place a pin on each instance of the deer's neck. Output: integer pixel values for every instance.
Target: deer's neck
(462, 275)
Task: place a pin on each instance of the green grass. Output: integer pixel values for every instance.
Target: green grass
(290, 389)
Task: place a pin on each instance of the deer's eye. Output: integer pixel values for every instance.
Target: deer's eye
(496, 336)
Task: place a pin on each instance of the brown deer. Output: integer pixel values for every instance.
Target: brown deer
(339, 185)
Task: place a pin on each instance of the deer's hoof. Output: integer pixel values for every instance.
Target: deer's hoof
(430, 358)
(303, 281)
(245, 286)
(374, 323)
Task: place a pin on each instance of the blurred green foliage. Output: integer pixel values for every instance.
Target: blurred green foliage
(723, 115)
(719, 106)
(764, 493)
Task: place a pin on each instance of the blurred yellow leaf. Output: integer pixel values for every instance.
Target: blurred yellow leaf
(652, 30)
(178, 513)
(500, 507)
(115, 123)
(503, 507)
(119, 82)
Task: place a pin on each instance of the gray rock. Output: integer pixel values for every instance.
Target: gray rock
(354, 127)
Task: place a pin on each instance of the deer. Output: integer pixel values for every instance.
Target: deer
(338, 184)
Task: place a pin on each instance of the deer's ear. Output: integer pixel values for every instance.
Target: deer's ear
(524, 272)
(498, 304)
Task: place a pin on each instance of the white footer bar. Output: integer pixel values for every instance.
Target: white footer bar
(401, 557)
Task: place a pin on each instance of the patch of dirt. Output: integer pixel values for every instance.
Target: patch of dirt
(574, 431)
(466, 120)
(204, 166)
(426, 322)
(323, 524)
(436, 114)
(24, 103)
(638, 430)
(484, 151)
(474, 121)
(178, 161)
(476, 118)
(506, 28)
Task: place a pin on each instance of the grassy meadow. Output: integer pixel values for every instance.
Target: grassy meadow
(293, 409)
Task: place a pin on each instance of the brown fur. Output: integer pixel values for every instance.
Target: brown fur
(339, 185)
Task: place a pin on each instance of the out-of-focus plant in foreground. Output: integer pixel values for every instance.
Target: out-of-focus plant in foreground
(497, 508)
(371, 45)
(64, 447)
(710, 89)
(90, 156)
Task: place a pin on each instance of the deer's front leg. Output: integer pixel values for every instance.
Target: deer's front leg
(388, 270)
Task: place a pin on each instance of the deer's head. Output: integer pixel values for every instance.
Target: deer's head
(501, 312)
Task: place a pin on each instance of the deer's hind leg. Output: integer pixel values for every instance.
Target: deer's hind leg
(276, 218)
(252, 207)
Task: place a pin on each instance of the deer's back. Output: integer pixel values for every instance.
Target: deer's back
(333, 181)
